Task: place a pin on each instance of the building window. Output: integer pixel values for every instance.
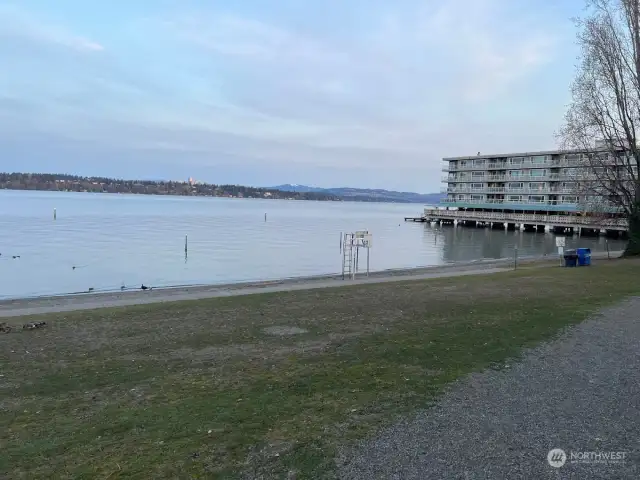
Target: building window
(538, 159)
(536, 186)
(477, 197)
(569, 199)
(515, 173)
(516, 185)
(516, 161)
(462, 197)
(536, 198)
(515, 198)
(477, 186)
(478, 163)
(477, 174)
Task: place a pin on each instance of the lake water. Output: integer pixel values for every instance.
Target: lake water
(115, 240)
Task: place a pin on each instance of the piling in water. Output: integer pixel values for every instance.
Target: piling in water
(54, 214)
(186, 244)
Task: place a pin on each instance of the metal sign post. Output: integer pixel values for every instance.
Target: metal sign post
(560, 243)
(366, 243)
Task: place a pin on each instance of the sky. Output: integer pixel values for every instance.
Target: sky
(357, 93)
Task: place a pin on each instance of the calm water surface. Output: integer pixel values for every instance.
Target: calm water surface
(115, 240)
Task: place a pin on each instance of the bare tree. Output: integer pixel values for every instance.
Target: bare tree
(603, 120)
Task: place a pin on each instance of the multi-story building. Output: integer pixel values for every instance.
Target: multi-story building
(542, 181)
(519, 188)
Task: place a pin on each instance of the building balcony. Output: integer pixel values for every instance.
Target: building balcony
(530, 191)
(549, 177)
(505, 203)
(511, 165)
(492, 165)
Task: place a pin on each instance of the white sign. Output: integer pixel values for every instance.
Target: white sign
(560, 241)
(366, 240)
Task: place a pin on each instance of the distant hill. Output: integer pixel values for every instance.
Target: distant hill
(365, 194)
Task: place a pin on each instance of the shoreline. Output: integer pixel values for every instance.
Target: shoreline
(89, 301)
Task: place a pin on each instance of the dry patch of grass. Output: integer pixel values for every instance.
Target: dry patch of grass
(201, 390)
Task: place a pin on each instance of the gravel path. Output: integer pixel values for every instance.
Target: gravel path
(579, 393)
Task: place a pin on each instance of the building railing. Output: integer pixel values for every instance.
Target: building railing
(537, 191)
(454, 166)
(553, 219)
(507, 178)
(507, 202)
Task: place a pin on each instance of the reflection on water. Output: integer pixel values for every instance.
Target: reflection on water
(464, 244)
(105, 242)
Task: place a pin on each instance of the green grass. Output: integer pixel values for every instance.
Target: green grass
(134, 392)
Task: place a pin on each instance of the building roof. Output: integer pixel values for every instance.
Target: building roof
(519, 154)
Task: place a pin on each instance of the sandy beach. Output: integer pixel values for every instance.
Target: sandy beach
(87, 301)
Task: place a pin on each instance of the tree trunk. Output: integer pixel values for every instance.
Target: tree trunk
(633, 246)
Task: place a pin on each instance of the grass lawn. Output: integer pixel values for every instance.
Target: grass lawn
(199, 389)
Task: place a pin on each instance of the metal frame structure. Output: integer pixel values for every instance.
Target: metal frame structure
(350, 250)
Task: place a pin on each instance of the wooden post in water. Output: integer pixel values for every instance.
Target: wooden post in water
(186, 244)
(265, 217)
(54, 214)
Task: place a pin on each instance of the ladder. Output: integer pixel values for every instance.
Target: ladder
(348, 269)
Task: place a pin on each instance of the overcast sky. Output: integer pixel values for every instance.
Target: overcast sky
(365, 93)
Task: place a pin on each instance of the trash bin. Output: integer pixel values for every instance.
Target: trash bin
(570, 258)
(584, 257)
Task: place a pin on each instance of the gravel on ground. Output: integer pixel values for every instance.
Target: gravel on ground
(579, 393)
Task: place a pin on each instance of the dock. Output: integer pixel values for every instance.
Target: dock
(558, 223)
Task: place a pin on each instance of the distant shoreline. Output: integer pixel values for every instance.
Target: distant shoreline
(53, 182)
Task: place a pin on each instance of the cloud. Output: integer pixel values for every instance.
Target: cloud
(483, 41)
(18, 25)
(394, 84)
(391, 88)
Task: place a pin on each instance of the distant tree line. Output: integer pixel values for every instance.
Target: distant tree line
(74, 183)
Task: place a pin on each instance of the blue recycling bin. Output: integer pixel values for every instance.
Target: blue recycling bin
(584, 256)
